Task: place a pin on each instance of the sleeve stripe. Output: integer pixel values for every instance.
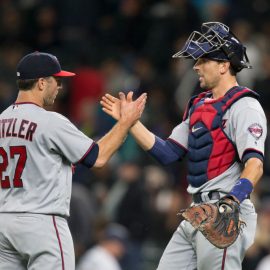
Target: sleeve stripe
(87, 152)
(250, 153)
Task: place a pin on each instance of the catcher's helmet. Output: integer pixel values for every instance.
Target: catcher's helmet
(217, 42)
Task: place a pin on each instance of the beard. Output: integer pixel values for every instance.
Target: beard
(208, 85)
(48, 101)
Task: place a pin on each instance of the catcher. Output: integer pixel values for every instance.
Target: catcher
(222, 136)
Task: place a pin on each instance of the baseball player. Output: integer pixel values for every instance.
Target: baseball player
(37, 150)
(222, 135)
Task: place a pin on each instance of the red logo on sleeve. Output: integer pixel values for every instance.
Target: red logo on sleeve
(255, 130)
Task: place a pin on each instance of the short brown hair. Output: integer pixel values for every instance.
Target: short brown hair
(231, 69)
(25, 85)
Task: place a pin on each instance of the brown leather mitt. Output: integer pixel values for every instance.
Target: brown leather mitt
(219, 222)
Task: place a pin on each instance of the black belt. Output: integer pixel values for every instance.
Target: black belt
(212, 195)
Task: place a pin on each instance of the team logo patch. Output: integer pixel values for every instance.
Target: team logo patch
(255, 130)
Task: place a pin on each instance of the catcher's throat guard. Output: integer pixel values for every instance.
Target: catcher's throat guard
(219, 222)
(217, 42)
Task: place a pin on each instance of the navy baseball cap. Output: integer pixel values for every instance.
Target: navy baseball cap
(38, 64)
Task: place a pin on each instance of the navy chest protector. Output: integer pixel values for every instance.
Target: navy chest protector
(210, 151)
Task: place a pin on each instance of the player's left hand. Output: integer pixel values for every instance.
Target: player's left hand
(219, 222)
(131, 110)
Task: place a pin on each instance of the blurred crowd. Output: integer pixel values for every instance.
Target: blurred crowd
(128, 210)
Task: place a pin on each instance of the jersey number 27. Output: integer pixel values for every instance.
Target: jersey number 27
(19, 151)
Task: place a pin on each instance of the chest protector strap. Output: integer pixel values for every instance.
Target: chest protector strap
(210, 151)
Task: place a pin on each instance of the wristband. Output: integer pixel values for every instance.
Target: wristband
(242, 189)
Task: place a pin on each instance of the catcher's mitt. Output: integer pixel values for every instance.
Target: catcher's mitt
(219, 222)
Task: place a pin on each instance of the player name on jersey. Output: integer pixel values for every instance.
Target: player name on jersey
(21, 128)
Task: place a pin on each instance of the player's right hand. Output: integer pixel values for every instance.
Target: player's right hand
(131, 111)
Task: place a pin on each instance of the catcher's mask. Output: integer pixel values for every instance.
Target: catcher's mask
(217, 42)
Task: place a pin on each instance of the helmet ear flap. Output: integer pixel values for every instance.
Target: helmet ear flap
(236, 55)
(233, 58)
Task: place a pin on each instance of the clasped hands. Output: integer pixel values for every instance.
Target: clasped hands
(124, 108)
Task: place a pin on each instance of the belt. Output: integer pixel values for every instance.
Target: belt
(204, 196)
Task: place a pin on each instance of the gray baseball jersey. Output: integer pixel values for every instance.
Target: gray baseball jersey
(37, 150)
(245, 125)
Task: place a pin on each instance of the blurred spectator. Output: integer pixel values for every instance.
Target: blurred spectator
(106, 253)
(263, 230)
(10, 53)
(11, 22)
(186, 88)
(131, 25)
(244, 31)
(165, 201)
(253, 256)
(83, 209)
(217, 10)
(77, 21)
(85, 90)
(145, 71)
(169, 19)
(127, 203)
(262, 84)
(117, 78)
(261, 246)
(264, 264)
(43, 27)
(262, 88)
(212, 10)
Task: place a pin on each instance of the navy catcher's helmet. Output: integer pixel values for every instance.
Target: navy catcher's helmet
(217, 42)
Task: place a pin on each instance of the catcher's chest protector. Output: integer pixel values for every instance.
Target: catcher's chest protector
(210, 152)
